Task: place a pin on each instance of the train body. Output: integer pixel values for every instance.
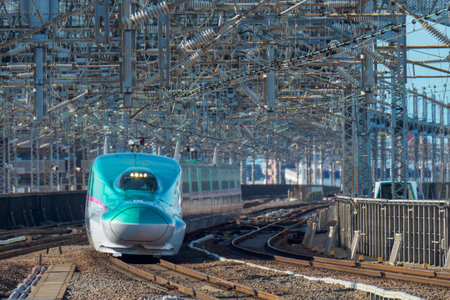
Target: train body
(135, 203)
(383, 190)
(211, 194)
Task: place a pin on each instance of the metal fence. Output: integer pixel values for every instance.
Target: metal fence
(422, 225)
(33, 209)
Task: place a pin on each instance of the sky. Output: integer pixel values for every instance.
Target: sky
(417, 35)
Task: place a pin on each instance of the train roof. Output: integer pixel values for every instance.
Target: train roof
(110, 166)
(197, 163)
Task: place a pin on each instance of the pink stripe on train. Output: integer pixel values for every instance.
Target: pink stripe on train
(95, 200)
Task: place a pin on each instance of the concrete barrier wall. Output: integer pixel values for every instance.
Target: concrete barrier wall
(17, 210)
(32, 209)
(252, 191)
(436, 190)
(423, 226)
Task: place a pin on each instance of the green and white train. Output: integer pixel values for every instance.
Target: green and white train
(143, 204)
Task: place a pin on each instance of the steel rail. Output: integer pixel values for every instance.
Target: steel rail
(42, 244)
(385, 268)
(372, 270)
(235, 243)
(282, 235)
(193, 274)
(212, 279)
(42, 229)
(360, 268)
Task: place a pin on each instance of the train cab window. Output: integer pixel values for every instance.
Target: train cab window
(137, 181)
(386, 191)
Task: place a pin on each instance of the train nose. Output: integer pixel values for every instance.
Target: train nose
(138, 224)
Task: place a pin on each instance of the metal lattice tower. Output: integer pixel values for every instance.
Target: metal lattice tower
(259, 78)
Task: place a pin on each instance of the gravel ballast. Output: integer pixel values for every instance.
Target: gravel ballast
(92, 279)
(96, 280)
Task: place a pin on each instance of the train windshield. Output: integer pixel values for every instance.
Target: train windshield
(138, 181)
(386, 191)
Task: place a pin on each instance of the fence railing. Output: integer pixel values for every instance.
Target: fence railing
(422, 227)
(33, 209)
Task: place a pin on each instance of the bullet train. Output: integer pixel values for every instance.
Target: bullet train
(143, 204)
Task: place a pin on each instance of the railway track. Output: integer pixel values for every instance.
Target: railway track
(23, 241)
(46, 229)
(294, 210)
(190, 282)
(260, 242)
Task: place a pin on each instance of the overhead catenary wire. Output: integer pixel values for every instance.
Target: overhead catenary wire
(182, 93)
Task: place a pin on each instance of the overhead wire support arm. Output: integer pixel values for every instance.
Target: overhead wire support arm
(433, 31)
(46, 25)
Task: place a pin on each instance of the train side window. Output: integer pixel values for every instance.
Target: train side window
(215, 180)
(219, 177)
(224, 184)
(185, 188)
(194, 186)
(185, 181)
(205, 179)
(194, 180)
(206, 186)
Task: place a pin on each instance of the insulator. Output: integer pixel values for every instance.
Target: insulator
(190, 61)
(377, 56)
(347, 76)
(151, 28)
(436, 33)
(145, 14)
(360, 18)
(24, 75)
(149, 79)
(199, 4)
(56, 48)
(326, 91)
(19, 49)
(343, 50)
(341, 3)
(249, 93)
(200, 39)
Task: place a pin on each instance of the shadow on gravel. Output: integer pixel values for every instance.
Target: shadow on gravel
(347, 290)
(139, 259)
